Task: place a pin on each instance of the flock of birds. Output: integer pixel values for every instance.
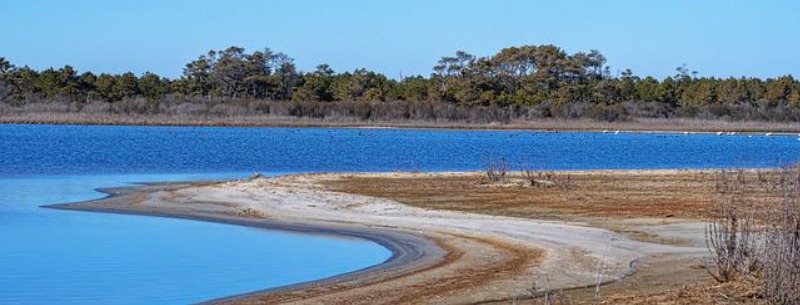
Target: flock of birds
(719, 133)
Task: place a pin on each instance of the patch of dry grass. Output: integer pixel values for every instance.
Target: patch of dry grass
(685, 194)
(23, 116)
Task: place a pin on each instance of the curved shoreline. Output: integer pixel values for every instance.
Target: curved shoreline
(410, 252)
(447, 256)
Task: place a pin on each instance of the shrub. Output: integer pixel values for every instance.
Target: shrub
(496, 170)
(761, 243)
(781, 276)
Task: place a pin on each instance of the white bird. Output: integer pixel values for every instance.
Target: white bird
(719, 133)
(733, 133)
(616, 132)
(605, 130)
(768, 134)
(685, 132)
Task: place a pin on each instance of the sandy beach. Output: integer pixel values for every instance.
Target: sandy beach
(440, 256)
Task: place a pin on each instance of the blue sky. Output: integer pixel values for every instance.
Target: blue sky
(714, 37)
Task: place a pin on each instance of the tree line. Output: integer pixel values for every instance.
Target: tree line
(542, 79)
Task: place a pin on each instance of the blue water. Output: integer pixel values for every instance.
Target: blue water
(38, 150)
(59, 257)
(50, 256)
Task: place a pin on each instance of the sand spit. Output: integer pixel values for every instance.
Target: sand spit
(441, 257)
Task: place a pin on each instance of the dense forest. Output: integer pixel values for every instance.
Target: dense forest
(518, 83)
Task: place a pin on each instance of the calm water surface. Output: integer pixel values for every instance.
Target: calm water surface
(59, 257)
(50, 256)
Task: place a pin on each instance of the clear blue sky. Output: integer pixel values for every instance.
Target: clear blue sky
(717, 38)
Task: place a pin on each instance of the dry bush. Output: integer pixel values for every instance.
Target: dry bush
(731, 235)
(96, 107)
(546, 179)
(746, 241)
(781, 276)
(496, 170)
(187, 110)
(228, 110)
(133, 106)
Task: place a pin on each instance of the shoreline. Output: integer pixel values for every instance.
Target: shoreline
(432, 250)
(655, 126)
(410, 252)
